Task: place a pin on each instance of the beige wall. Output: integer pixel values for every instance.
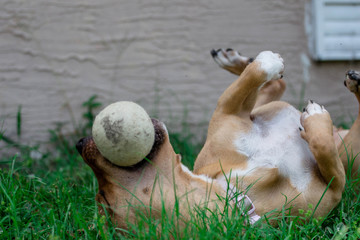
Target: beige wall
(55, 54)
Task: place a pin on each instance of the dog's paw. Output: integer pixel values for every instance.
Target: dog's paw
(312, 109)
(271, 63)
(230, 60)
(316, 124)
(352, 81)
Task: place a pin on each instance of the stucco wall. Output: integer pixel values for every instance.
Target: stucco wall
(55, 54)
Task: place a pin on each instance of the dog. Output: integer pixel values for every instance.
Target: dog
(259, 152)
(276, 154)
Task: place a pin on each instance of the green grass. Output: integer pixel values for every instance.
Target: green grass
(59, 204)
(52, 196)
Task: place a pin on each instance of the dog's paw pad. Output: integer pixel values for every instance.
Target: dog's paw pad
(311, 109)
(352, 81)
(271, 63)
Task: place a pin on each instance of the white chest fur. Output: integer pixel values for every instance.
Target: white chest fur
(277, 144)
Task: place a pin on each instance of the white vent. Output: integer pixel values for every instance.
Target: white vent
(333, 28)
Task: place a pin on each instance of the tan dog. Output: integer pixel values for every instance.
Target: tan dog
(261, 146)
(278, 155)
(161, 182)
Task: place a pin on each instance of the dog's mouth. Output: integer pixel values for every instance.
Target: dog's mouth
(89, 152)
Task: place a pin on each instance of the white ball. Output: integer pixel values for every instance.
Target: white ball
(123, 132)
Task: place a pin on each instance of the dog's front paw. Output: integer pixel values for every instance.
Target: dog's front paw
(271, 63)
(317, 127)
(352, 81)
(311, 109)
(230, 60)
(315, 119)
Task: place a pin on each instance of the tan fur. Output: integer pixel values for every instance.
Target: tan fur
(127, 192)
(238, 105)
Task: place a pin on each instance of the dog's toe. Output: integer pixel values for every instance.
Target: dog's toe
(213, 53)
(230, 60)
(311, 109)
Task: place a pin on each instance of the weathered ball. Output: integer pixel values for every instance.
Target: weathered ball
(123, 132)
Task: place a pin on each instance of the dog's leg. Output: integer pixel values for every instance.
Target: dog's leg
(234, 108)
(349, 147)
(240, 97)
(235, 63)
(271, 91)
(318, 132)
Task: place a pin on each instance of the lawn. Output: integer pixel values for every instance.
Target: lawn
(50, 195)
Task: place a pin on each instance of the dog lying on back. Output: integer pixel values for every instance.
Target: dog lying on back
(268, 148)
(272, 154)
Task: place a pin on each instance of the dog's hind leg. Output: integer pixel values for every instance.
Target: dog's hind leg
(240, 97)
(349, 147)
(233, 112)
(235, 63)
(271, 91)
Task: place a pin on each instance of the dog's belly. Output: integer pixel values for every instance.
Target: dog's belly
(277, 143)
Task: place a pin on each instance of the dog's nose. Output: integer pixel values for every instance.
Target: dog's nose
(79, 145)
